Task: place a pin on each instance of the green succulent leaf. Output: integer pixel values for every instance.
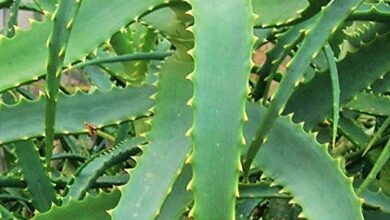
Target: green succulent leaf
(63, 19)
(370, 104)
(92, 207)
(372, 12)
(220, 81)
(38, 183)
(88, 174)
(281, 159)
(353, 132)
(334, 75)
(179, 199)
(377, 199)
(74, 111)
(13, 17)
(382, 85)
(350, 70)
(46, 5)
(245, 208)
(269, 13)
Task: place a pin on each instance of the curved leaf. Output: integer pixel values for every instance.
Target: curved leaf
(376, 199)
(296, 161)
(89, 172)
(38, 183)
(162, 159)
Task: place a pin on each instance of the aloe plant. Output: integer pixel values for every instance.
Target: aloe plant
(161, 109)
